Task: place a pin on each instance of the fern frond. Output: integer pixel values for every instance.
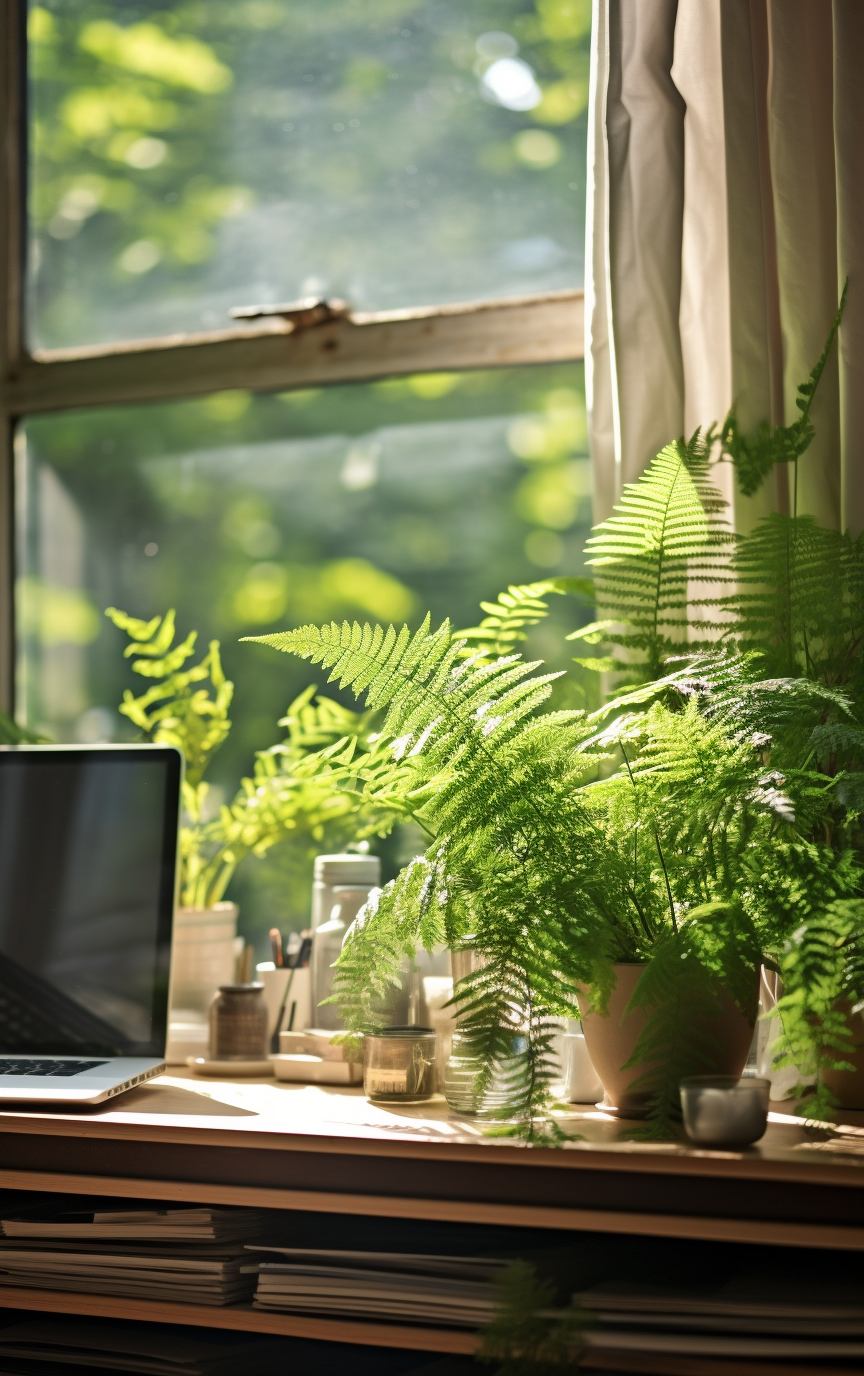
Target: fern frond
(508, 619)
(177, 709)
(817, 976)
(396, 920)
(754, 456)
(668, 531)
(799, 599)
(528, 1337)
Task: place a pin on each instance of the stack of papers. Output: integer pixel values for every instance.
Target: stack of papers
(456, 1292)
(144, 1224)
(59, 1345)
(750, 1316)
(192, 1256)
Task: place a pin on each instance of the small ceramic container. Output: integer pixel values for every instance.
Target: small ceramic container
(238, 1023)
(581, 1081)
(723, 1110)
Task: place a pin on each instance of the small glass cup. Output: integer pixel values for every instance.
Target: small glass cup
(238, 1023)
(463, 1070)
(723, 1110)
(399, 1065)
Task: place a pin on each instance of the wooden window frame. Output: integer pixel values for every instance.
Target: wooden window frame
(273, 353)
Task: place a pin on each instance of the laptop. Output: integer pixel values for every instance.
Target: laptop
(88, 862)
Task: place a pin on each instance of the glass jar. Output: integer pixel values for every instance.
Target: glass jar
(399, 1065)
(238, 1023)
(462, 1074)
(341, 886)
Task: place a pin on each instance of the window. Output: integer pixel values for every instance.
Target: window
(175, 175)
(189, 159)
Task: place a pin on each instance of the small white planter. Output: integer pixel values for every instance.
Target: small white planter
(202, 957)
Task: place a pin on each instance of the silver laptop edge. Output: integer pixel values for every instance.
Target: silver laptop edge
(117, 1074)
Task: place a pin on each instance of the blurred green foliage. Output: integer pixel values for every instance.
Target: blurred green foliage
(297, 791)
(185, 157)
(350, 144)
(349, 501)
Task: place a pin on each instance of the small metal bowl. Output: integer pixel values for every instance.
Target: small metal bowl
(724, 1111)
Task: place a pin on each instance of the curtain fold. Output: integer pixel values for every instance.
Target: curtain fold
(726, 209)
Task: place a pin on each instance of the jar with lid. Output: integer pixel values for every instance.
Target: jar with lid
(399, 1065)
(341, 885)
(238, 1023)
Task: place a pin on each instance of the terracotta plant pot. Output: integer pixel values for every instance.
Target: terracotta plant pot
(611, 1040)
(847, 1086)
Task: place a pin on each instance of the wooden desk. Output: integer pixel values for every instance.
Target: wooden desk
(310, 1148)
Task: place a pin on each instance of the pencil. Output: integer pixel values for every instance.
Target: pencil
(276, 946)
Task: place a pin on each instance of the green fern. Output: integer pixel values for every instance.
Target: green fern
(507, 621)
(799, 600)
(668, 532)
(518, 863)
(178, 709)
(790, 589)
(702, 821)
(755, 456)
(553, 877)
(530, 1335)
(722, 805)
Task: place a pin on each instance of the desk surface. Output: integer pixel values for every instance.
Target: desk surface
(263, 1114)
(321, 1148)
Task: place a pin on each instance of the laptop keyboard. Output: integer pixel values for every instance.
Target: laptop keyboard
(60, 1069)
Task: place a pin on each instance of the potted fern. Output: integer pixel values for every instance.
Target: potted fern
(704, 820)
(748, 763)
(545, 867)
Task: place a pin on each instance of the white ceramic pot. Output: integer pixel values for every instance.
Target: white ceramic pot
(202, 955)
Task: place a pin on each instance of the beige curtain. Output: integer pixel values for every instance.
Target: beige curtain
(726, 209)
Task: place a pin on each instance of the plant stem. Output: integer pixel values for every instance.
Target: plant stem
(659, 852)
(668, 886)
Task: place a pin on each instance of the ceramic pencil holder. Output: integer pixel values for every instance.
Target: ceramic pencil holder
(275, 983)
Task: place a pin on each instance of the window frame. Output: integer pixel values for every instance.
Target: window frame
(272, 354)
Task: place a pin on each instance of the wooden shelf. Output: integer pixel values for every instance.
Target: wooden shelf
(241, 1318)
(317, 1149)
(701, 1227)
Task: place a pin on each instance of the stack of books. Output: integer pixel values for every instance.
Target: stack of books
(397, 1287)
(192, 1256)
(753, 1318)
(48, 1346)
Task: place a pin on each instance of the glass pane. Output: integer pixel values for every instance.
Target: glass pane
(189, 158)
(252, 514)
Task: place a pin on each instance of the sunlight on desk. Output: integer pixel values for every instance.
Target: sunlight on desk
(294, 1108)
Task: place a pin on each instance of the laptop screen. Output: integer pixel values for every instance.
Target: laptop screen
(88, 847)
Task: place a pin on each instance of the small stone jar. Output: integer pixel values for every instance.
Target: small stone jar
(238, 1023)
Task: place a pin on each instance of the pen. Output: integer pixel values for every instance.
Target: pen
(274, 1040)
(276, 946)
